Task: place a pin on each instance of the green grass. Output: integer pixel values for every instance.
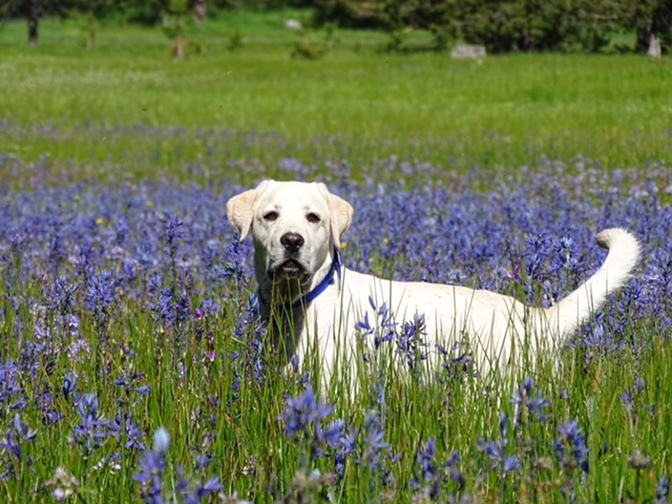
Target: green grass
(253, 456)
(259, 104)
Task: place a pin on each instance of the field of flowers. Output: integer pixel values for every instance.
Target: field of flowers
(133, 365)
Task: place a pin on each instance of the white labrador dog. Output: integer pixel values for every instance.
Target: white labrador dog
(310, 301)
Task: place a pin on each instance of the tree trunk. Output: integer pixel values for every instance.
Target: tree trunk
(178, 47)
(655, 50)
(33, 14)
(644, 33)
(199, 11)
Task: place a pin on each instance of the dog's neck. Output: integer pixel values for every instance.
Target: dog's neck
(283, 304)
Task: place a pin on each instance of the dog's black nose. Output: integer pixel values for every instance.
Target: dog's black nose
(292, 241)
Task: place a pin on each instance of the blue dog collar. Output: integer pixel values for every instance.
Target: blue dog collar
(336, 266)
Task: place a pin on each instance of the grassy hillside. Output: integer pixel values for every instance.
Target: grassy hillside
(357, 102)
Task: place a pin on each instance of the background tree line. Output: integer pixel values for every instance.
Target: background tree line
(512, 25)
(499, 25)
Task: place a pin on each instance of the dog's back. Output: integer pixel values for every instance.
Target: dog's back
(498, 329)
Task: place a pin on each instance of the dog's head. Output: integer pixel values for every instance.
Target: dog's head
(295, 226)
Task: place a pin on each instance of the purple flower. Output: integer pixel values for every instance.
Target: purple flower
(377, 452)
(172, 232)
(631, 397)
(627, 398)
(428, 473)
(93, 428)
(150, 476)
(60, 295)
(570, 448)
(364, 325)
(69, 385)
(233, 263)
(135, 435)
(153, 465)
(203, 461)
(529, 404)
(347, 444)
(100, 294)
(11, 444)
(84, 257)
(173, 309)
(24, 432)
(77, 258)
(663, 490)
(303, 412)
(511, 463)
(410, 341)
(455, 474)
(202, 490)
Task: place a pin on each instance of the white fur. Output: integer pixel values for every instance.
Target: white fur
(499, 329)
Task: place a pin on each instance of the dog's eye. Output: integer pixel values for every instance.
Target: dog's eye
(270, 216)
(313, 218)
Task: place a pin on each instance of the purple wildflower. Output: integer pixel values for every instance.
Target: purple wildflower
(172, 233)
(303, 413)
(570, 448)
(529, 404)
(663, 490)
(428, 471)
(152, 468)
(100, 294)
(410, 341)
(69, 385)
(60, 295)
(455, 474)
(378, 452)
(93, 428)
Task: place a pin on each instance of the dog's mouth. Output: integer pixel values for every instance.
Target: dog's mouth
(289, 269)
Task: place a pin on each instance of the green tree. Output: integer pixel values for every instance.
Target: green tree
(91, 14)
(508, 25)
(538, 25)
(356, 13)
(174, 21)
(650, 18)
(441, 18)
(31, 10)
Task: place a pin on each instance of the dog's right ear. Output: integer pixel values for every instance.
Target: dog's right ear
(240, 209)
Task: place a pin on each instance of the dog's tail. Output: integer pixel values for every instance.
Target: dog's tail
(577, 307)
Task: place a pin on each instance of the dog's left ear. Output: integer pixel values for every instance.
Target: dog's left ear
(240, 209)
(340, 215)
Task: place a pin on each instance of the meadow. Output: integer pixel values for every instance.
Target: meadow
(132, 360)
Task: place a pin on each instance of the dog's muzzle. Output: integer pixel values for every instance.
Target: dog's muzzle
(291, 267)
